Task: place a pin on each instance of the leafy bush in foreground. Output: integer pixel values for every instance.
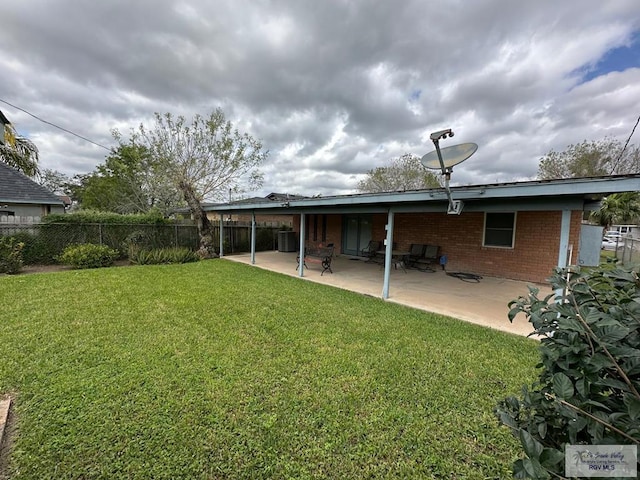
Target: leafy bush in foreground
(10, 255)
(588, 388)
(162, 255)
(88, 255)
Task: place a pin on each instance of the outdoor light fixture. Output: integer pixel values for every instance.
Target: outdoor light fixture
(445, 159)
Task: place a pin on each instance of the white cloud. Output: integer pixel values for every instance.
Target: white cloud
(332, 88)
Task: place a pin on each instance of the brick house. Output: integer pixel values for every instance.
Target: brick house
(275, 220)
(519, 230)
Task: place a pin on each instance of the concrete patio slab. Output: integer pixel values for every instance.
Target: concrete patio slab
(483, 303)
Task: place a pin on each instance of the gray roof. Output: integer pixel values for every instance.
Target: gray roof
(16, 187)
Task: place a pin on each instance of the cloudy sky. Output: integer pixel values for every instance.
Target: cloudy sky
(332, 88)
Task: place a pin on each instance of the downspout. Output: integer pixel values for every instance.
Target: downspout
(387, 255)
(565, 228)
(563, 252)
(301, 253)
(253, 238)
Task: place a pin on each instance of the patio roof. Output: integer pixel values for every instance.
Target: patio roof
(572, 194)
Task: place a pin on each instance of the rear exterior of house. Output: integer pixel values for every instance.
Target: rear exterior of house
(519, 230)
(523, 245)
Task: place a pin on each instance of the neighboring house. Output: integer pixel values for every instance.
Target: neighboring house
(265, 220)
(516, 230)
(24, 201)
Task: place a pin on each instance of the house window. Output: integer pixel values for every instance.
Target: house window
(499, 229)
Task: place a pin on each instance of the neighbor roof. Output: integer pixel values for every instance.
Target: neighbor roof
(16, 187)
(571, 193)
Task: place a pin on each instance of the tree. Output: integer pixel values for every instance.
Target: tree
(19, 152)
(54, 181)
(127, 183)
(203, 161)
(618, 208)
(404, 173)
(590, 159)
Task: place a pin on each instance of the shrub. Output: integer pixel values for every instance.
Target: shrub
(10, 255)
(163, 255)
(93, 216)
(38, 250)
(88, 255)
(588, 388)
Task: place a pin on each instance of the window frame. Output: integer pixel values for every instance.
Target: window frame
(513, 231)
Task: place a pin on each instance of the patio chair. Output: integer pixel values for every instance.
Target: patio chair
(415, 253)
(371, 250)
(430, 257)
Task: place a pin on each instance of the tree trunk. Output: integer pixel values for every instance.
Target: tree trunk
(205, 229)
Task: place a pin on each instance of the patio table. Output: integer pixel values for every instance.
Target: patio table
(397, 258)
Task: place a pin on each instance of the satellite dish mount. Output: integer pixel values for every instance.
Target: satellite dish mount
(444, 160)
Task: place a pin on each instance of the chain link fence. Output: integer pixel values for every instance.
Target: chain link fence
(628, 251)
(44, 242)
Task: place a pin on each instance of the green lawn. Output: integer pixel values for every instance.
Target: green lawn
(220, 370)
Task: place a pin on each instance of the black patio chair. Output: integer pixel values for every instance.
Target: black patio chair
(430, 257)
(371, 250)
(416, 252)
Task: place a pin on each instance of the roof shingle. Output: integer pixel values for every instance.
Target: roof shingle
(16, 187)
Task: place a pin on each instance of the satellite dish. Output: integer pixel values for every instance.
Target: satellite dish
(451, 156)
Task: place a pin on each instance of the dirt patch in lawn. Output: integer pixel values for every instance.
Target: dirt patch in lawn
(27, 269)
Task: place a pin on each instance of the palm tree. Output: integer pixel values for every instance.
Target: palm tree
(618, 208)
(19, 152)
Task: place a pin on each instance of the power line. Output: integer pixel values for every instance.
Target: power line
(54, 125)
(628, 139)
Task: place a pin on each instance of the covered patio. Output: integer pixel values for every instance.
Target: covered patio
(483, 303)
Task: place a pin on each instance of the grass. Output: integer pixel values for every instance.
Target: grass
(220, 370)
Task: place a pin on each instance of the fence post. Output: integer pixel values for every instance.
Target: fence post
(176, 228)
(100, 232)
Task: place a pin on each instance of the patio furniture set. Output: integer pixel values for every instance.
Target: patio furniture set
(420, 256)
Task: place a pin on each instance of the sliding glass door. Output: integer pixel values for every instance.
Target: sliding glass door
(356, 233)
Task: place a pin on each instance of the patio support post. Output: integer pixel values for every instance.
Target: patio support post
(253, 238)
(387, 255)
(301, 253)
(221, 235)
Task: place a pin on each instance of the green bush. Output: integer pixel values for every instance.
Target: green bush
(163, 255)
(37, 249)
(94, 216)
(588, 388)
(10, 255)
(88, 255)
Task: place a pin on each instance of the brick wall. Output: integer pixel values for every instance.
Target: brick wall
(535, 252)
(333, 233)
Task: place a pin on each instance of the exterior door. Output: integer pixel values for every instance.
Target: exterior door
(356, 233)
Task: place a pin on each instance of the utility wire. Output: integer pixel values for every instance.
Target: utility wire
(56, 126)
(628, 139)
